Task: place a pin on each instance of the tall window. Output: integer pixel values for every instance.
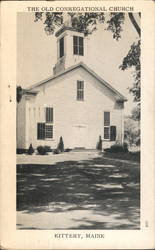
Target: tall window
(49, 114)
(61, 47)
(80, 90)
(106, 125)
(45, 129)
(78, 48)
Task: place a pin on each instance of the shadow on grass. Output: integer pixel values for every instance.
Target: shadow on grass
(98, 185)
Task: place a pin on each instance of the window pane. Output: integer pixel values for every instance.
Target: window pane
(81, 51)
(106, 118)
(75, 40)
(41, 131)
(75, 50)
(106, 132)
(48, 131)
(80, 41)
(80, 90)
(49, 114)
(61, 46)
(78, 45)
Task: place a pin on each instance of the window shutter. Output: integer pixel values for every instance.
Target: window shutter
(112, 133)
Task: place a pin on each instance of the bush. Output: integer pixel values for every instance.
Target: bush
(41, 150)
(47, 148)
(99, 144)
(56, 151)
(67, 150)
(30, 150)
(21, 151)
(117, 148)
(61, 145)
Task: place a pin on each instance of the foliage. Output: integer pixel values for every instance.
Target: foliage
(135, 113)
(47, 148)
(30, 150)
(117, 148)
(41, 150)
(115, 24)
(21, 151)
(132, 131)
(61, 145)
(68, 150)
(52, 20)
(99, 144)
(82, 22)
(132, 60)
(56, 151)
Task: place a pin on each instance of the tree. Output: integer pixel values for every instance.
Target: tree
(132, 131)
(87, 23)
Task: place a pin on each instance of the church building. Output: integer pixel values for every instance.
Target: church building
(74, 103)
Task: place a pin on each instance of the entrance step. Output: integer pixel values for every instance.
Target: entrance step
(80, 149)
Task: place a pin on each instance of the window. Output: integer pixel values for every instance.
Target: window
(109, 131)
(78, 48)
(45, 129)
(49, 114)
(48, 131)
(61, 47)
(106, 125)
(80, 90)
(41, 131)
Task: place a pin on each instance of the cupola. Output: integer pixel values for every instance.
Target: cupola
(70, 46)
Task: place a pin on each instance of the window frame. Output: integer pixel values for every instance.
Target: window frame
(80, 90)
(78, 46)
(106, 126)
(46, 124)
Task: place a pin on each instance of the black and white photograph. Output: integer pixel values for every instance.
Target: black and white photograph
(78, 120)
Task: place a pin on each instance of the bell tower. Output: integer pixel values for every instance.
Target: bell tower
(70, 46)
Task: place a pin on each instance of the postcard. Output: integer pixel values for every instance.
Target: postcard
(77, 125)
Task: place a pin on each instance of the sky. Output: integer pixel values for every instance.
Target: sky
(36, 54)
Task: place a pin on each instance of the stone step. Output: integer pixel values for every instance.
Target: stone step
(80, 149)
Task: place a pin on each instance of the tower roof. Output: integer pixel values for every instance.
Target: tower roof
(64, 28)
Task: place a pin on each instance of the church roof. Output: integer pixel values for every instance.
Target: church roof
(84, 66)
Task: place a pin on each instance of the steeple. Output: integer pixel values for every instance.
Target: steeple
(70, 46)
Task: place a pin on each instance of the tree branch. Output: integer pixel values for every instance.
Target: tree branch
(135, 24)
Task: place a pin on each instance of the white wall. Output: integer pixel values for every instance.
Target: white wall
(69, 113)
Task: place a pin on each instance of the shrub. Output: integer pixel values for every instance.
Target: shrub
(99, 144)
(47, 148)
(117, 148)
(67, 150)
(61, 145)
(21, 151)
(56, 151)
(41, 150)
(30, 150)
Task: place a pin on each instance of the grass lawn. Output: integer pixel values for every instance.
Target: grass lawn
(131, 156)
(92, 194)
